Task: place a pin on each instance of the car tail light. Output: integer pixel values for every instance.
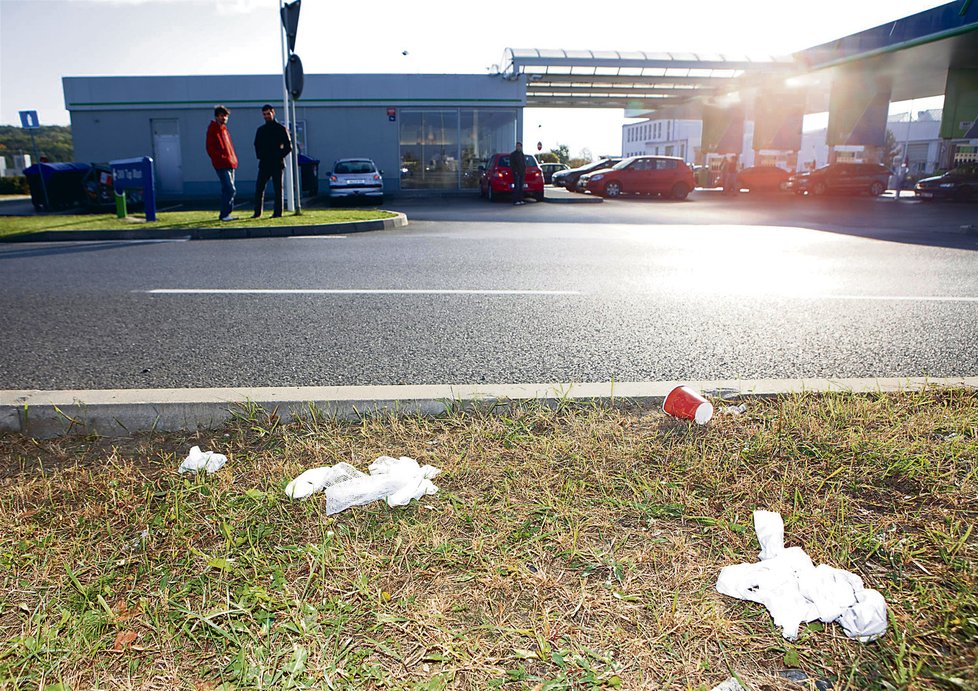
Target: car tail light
(332, 178)
(376, 177)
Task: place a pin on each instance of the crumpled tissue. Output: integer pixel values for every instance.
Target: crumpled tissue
(398, 480)
(794, 590)
(202, 460)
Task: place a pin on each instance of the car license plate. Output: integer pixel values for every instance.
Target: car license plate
(926, 195)
(356, 182)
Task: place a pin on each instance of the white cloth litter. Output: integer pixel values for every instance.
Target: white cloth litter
(318, 479)
(202, 460)
(794, 590)
(398, 480)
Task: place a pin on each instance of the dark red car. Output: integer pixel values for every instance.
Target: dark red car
(665, 176)
(497, 178)
(763, 179)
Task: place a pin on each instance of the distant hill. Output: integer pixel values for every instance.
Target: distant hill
(53, 141)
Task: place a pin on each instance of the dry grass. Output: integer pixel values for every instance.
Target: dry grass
(568, 549)
(183, 220)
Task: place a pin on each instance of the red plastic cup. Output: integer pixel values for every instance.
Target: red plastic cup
(684, 403)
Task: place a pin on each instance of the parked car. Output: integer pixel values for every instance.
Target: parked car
(568, 178)
(763, 178)
(958, 184)
(356, 177)
(497, 178)
(659, 175)
(550, 168)
(842, 178)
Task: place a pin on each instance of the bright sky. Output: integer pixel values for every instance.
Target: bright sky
(44, 40)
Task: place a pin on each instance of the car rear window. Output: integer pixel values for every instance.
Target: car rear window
(354, 167)
(504, 161)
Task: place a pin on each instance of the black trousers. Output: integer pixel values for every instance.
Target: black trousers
(276, 174)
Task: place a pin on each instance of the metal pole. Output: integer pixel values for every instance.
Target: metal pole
(289, 192)
(906, 153)
(295, 162)
(40, 173)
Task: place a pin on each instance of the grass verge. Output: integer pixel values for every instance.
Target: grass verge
(14, 225)
(567, 549)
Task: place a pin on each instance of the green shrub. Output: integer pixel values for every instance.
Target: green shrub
(14, 185)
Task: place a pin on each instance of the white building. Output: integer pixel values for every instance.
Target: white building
(667, 137)
(917, 136)
(20, 162)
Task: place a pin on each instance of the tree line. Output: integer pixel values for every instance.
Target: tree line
(53, 142)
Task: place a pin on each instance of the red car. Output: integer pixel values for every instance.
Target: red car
(660, 175)
(763, 179)
(497, 178)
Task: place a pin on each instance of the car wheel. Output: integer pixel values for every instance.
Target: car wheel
(538, 196)
(489, 195)
(612, 189)
(818, 189)
(482, 191)
(680, 191)
(876, 189)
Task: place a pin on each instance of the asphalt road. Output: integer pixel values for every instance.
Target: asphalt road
(472, 292)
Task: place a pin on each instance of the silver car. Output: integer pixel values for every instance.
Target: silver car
(356, 177)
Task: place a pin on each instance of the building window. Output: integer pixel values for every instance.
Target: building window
(484, 132)
(442, 149)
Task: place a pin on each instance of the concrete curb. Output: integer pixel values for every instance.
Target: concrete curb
(573, 198)
(116, 412)
(400, 220)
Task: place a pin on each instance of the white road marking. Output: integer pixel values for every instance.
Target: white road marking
(896, 298)
(351, 291)
(316, 237)
(448, 291)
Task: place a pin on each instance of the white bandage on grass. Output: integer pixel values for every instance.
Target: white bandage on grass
(202, 460)
(398, 480)
(795, 591)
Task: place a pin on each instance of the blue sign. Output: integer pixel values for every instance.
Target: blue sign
(136, 173)
(28, 120)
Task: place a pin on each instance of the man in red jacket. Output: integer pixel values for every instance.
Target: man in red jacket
(225, 161)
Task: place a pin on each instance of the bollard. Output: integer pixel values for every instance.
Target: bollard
(120, 205)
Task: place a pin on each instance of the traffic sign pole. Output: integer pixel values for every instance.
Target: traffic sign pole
(289, 190)
(31, 125)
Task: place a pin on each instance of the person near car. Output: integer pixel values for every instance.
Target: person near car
(517, 163)
(272, 145)
(728, 174)
(225, 161)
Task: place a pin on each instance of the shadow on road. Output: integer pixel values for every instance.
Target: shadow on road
(906, 220)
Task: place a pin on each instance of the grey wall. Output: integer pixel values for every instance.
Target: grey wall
(345, 115)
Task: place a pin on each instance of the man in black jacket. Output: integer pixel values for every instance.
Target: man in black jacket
(517, 163)
(272, 145)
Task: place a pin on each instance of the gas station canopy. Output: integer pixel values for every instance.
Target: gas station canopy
(632, 80)
(914, 53)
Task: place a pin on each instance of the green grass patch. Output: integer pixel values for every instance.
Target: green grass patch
(14, 225)
(567, 549)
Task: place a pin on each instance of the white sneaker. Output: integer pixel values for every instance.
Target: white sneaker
(229, 218)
